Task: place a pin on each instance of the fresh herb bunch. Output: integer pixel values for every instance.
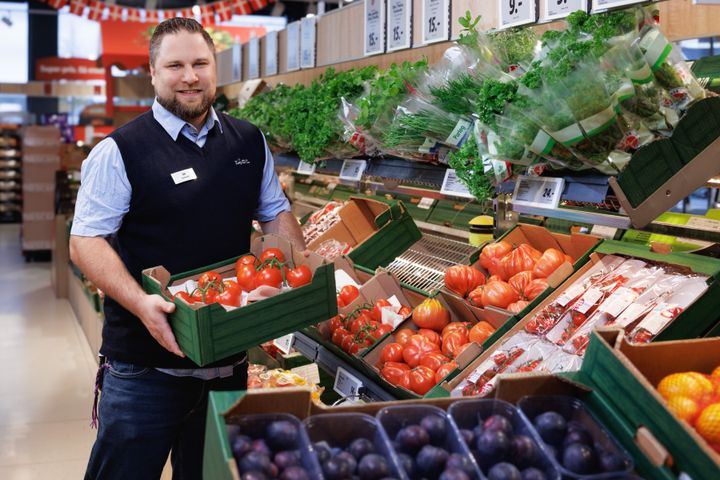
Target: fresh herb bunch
(469, 35)
(408, 128)
(261, 110)
(470, 170)
(458, 95)
(494, 96)
(515, 45)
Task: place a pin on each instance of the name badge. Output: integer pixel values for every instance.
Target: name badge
(183, 176)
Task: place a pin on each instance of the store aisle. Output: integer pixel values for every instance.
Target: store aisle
(46, 374)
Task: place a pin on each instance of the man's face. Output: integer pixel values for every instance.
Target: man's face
(184, 75)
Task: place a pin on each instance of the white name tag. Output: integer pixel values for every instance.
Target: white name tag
(183, 176)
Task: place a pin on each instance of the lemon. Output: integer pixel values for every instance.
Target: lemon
(689, 384)
(683, 408)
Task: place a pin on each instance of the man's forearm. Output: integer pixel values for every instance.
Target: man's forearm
(285, 225)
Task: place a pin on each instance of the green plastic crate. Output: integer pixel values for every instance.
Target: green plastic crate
(455, 214)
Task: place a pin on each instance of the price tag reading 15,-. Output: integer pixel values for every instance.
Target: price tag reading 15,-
(346, 384)
(436, 20)
(517, 12)
(374, 27)
(352, 170)
(542, 192)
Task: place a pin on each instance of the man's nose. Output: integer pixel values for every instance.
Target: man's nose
(189, 75)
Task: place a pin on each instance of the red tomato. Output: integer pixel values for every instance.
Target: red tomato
(338, 321)
(272, 252)
(299, 276)
(348, 293)
(548, 263)
(246, 277)
(443, 371)
(517, 307)
(394, 371)
(454, 326)
(497, 269)
(521, 259)
(434, 360)
(480, 332)
(270, 276)
(462, 279)
(207, 297)
(185, 296)
(230, 295)
(499, 294)
(403, 336)
(341, 303)
(338, 336)
(521, 280)
(212, 278)
(475, 297)
(416, 348)
(376, 312)
(431, 335)
(452, 342)
(404, 311)
(360, 321)
(383, 329)
(422, 379)
(431, 314)
(347, 343)
(535, 288)
(494, 250)
(392, 352)
(247, 260)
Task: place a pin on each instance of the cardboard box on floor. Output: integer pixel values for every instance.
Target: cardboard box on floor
(208, 333)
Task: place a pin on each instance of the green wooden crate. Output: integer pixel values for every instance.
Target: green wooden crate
(455, 214)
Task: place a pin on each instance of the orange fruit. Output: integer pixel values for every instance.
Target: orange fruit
(683, 408)
(716, 373)
(688, 384)
(708, 423)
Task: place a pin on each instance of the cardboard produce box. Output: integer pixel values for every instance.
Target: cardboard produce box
(378, 231)
(207, 333)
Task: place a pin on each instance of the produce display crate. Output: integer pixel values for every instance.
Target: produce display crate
(377, 230)
(419, 208)
(208, 333)
(455, 214)
(626, 375)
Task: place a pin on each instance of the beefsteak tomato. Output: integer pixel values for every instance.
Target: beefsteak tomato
(548, 263)
(431, 314)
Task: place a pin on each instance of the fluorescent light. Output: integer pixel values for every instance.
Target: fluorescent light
(196, 10)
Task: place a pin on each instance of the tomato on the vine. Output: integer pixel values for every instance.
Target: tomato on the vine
(210, 278)
(380, 330)
(347, 294)
(231, 294)
(207, 297)
(339, 334)
(359, 322)
(247, 260)
(272, 252)
(299, 276)
(404, 311)
(185, 296)
(270, 276)
(376, 312)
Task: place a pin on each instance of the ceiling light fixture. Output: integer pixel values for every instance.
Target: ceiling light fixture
(196, 10)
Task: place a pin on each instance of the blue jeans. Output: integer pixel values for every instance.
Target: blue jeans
(143, 414)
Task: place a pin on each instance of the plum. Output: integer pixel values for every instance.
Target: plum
(255, 461)
(467, 435)
(336, 469)
(412, 438)
(322, 451)
(287, 459)
(294, 473)
(576, 433)
(253, 475)
(454, 474)
(360, 447)
(504, 471)
(533, 474)
(460, 462)
(349, 459)
(373, 467)
(261, 447)
(612, 462)
(431, 461)
(282, 435)
(493, 446)
(579, 458)
(240, 446)
(406, 463)
(524, 450)
(498, 422)
(436, 428)
(551, 426)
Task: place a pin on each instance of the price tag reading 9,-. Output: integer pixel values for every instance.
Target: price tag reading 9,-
(436, 21)
(517, 12)
(305, 168)
(352, 170)
(284, 343)
(399, 24)
(374, 27)
(556, 9)
(453, 186)
(346, 384)
(542, 192)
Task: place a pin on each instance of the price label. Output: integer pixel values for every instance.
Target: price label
(425, 203)
(307, 42)
(702, 223)
(293, 46)
(603, 231)
(309, 372)
(374, 27)
(236, 62)
(352, 170)
(254, 58)
(555, 9)
(517, 12)
(538, 191)
(436, 21)
(600, 5)
(271, 53)
(399, 25)
(453, 186)
(284, 343)
(305, 168)
(346, 384)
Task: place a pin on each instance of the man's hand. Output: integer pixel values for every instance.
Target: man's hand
(153, 310)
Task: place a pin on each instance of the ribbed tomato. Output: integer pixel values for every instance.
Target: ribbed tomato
(497, 269)
(422, 379)
(462, 279)
(494, 250)
(475, 297)
(453, 326)
(403, 335)
(416, 348)
(535, 288)
(517, 307)
(392, 352)
(393, 372)
(434, 360)
(548, 263)
(431, 335)
(522, 258)
(452, 342)
(431, 314)
(521, 280)
(480, 332)
(443, 371)
(494, 278)
(499, 294)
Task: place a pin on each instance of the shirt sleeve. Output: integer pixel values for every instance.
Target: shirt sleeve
(272, 199)
(104, 195)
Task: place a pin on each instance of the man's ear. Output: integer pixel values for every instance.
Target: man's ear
(152, 75)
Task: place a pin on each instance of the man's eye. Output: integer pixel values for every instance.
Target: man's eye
(174, 66)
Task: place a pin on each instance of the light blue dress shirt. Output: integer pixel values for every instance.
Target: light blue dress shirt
(105, 191)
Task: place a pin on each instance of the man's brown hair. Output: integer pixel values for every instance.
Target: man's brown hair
(177, 25)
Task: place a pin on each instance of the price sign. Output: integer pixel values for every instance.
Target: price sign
(307, 42)
(453, 186)
(374, 27)
(399, 25)
(603, 231)
(309, 372)
(254, 58)
(517, 12)
(236, 62)
(702, 223)
(271, 53)
(601, 5)
(284, 343)
(346, 384)
(425, 203)
(305, 168)
(352, 170)
(538, 191)
(555, 9)
(293, 46)
(436, 21)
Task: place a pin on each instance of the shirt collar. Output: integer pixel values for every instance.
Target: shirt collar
(173, 125)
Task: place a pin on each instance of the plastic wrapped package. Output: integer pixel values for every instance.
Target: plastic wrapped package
(321, 221)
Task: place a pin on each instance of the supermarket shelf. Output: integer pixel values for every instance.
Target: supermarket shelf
(330, 363)
(579, 216)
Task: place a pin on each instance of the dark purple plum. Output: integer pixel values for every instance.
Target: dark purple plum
(524, 451)
(287, 459)
(504, 471)
(431, 461)
(253, 475)
(360, 447)
(241, 445)
(498, 422)
(576, 433)
(612, 462)
(261, 447)
(478, 430)
(373, 467)
(257, 462)
(467, 435)
(579, 458)
(436, 428)
(282, 435)
(492, 446)
(533, 474)
(460, 462)
(294, 473)
(406, 463)
(551, 426)
(454, 474)
(412, 438)
(336, 469)
(322, 451)
(349, 459)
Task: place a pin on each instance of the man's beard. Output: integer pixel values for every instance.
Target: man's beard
(177, 108)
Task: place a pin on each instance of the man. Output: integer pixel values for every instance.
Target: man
(178, 186)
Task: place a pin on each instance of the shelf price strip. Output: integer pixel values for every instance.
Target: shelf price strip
(541, 192)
